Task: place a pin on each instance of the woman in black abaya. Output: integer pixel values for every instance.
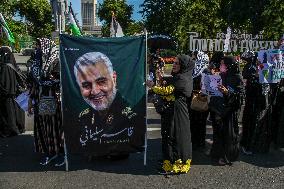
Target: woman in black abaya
(254, 102)
(11, 117)
(179, 140)
(225, 148)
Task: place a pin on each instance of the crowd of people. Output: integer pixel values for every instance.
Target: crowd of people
(42, 83)
(183, 128)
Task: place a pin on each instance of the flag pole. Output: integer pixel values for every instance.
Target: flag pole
(63, 135)
(146, 73)
(72, 12)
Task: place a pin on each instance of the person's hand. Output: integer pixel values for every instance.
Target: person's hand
(150, 83)
(159, 74)
(30, 107)
(223, 89)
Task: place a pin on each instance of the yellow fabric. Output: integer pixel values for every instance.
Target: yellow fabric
(177, 167)
(165, 92)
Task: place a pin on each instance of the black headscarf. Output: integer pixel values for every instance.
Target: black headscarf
(250, 69)
(232, 77)
(216, 59)
(183, 79)
(8, 78)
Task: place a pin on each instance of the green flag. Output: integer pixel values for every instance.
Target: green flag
(73, 24)
(89, 64)
(6, 29)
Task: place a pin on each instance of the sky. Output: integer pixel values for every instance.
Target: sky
(76, 5)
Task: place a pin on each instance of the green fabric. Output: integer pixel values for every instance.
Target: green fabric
(6, 29)
(127, 55)
(73, 25)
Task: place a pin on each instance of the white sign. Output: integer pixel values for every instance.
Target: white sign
(210, 84)
(241, 42)
(271, 69)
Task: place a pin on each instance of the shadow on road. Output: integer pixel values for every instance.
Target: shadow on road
(16, 155)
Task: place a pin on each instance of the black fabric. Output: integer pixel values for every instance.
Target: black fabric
(11, 117)
(280, 121)
(225, 127)
(167, 138)
(161, 105)
(197, 119)
(183, 80)
(47, 128)
(255, 102)
(225, 137)
(175, 124)
(180, 135)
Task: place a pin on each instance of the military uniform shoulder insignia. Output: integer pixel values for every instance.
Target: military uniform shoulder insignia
(84, 112)
(128, 112)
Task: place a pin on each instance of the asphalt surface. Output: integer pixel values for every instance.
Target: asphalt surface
(20, 168)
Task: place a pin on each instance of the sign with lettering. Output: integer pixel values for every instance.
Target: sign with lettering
(103, 94)
(233, 43)
(271, 69)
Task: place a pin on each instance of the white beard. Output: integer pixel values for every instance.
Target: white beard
(102, 106)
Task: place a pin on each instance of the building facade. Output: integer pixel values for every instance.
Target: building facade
(89, 14)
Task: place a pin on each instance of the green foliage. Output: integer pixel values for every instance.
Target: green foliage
(162, 16)
(122, 13)
(7, 8)
(134, 28)
(202, 17)
(207, 17)
(273, 19)
(38, 15)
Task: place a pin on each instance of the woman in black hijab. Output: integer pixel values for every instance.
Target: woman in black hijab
(179, 142)
(254, 102)
(225, 148)
(47, 128)
(11, 117)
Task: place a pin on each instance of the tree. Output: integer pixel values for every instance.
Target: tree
(122, 13)
(273, 19)
(135, 28)
(162, 16)
(177, 17)
(38, 14)
(245, 15)
(7, 8)
(202, 17)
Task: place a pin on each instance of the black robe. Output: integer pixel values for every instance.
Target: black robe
(254, 104)
(179, 136)
(197, 119)
(225, 129)
(279, 114)
(10, 114)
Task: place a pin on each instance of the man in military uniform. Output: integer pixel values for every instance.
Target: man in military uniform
(108, 124)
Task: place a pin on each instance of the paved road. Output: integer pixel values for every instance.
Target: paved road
(19, 168)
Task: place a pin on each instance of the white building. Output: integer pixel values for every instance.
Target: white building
(89, 16)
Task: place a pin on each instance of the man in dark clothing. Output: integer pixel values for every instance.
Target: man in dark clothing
(108, 125)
